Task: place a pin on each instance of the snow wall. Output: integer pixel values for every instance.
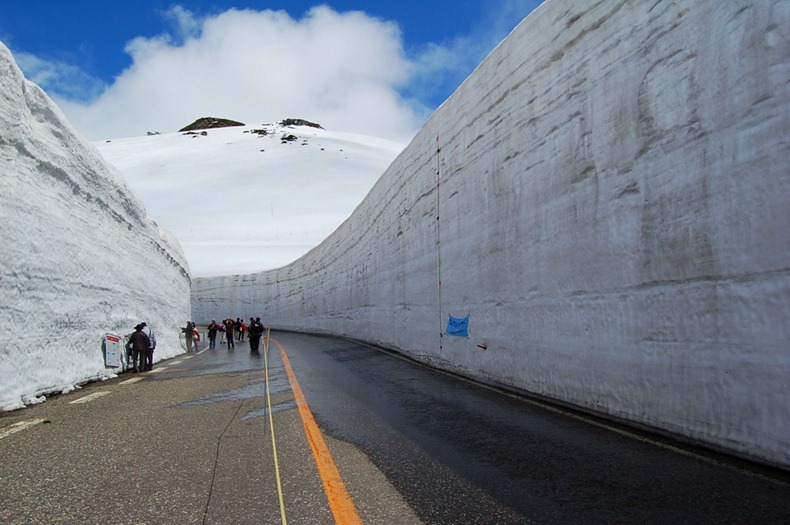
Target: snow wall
(612, 215)
(79, 256)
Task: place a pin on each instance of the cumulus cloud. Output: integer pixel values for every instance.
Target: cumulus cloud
(343, 70)
(348, 71)
(65, 79)
(438, 68)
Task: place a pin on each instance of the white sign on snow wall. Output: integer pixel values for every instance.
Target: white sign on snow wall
(612, 215)
(79, 257)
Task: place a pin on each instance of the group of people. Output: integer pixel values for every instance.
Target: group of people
(234, 330)
(140, 345)
(140, 349)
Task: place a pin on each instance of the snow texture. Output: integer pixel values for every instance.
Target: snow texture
(80, 258)
(253, 198)
(612, 215)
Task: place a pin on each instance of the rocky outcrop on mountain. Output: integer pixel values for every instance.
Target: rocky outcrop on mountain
(210, 123)
(299, 122)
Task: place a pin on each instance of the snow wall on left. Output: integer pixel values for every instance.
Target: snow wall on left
(80, 258)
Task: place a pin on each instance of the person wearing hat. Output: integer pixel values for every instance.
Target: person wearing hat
(140, 344)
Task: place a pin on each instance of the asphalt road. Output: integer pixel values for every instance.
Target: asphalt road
(359, 436)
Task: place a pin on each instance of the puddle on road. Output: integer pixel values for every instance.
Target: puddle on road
(255, 388)
(218, 362)
(287, 405)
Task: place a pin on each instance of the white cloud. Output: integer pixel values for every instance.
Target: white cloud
(348, 71)
(342, 70)
(60, 77)
(439, 68)
(186, 24)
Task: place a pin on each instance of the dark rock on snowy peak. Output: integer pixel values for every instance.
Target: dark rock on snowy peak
(299, 122)
(211, 122)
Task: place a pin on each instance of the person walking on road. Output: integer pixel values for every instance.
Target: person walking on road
(229, 329)
(240, 328)
(149, 352)
(140, 344)
(189, 335)
(213, 328)
(256, 331)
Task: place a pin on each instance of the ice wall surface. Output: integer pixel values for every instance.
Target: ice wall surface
(79, 256)
(612, 215)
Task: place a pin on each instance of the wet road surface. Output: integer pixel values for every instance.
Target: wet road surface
(191, 443)
(462, 453)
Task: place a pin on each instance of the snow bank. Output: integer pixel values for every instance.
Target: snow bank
(613, 217)
(79, 258)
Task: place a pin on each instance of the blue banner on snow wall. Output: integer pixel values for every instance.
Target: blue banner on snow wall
(458, 326)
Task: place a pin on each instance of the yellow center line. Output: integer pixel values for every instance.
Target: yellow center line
(271, 424)
(343, 508)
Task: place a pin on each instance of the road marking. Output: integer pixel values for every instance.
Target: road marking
(340, 502)
(131, 381)
(274, 442)
(90, 397)
(18, 427)
(157, 370)
(176, 362)
(187, 357)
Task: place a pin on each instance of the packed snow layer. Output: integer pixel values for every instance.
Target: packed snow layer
(79, 259)
(612, 215)
(243, 199)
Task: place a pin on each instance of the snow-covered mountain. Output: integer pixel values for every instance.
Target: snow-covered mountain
(79, 258)
(250, 198)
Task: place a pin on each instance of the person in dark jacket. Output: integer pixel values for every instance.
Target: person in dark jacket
(149, 353)
(140, 344)
(256, 331)
(230, 327)
(189, 335)
(212, 334)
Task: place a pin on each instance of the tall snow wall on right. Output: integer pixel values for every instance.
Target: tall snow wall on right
(607, 197)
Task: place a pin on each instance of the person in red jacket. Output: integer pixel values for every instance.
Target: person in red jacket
(241, 327)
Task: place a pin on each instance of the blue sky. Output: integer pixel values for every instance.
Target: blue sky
(97, 58)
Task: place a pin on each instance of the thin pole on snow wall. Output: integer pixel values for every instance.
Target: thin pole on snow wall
(439, 241)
